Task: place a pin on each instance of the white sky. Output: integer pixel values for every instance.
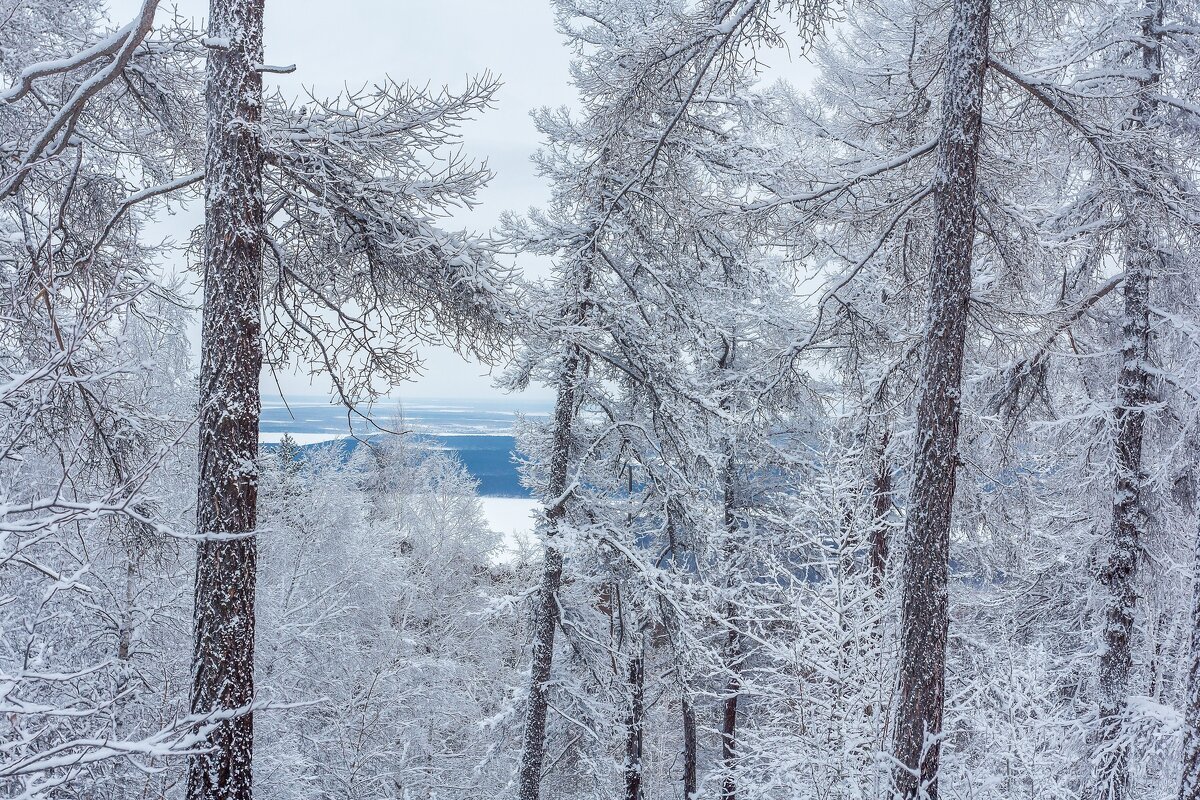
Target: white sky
(351, 42)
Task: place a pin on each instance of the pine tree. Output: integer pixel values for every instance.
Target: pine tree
(1130, 503)
(358, 209)
(925, 601)
(231, 359)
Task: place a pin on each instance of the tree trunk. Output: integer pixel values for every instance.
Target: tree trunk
(925, 609)
(689, 746)
(1129, 517)
(687, 712)
(728, 728)
(545, 620)
(881, 509)
(635, 719)
(1119, 574)
(231, 358)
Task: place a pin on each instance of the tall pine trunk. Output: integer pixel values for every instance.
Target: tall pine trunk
(729, 725)
(545, 612)
(1119, 574)
(881, 508)
(1129, 516)
(231, 357)
(925, 617)
(635, 717)
(689, 745)
(733, 654)
(686, 711)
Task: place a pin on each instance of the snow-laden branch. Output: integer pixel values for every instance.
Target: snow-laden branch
(112, 45)
(56, 134)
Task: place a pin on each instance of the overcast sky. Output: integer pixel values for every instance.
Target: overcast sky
(441, 42)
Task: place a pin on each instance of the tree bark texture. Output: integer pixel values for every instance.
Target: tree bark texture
(635, 719)
(1189, 783)
(925, 607)
(1129, 515)
(689, 746)
(733, 645)
(881, 509)
(231, 358)
(545, 622)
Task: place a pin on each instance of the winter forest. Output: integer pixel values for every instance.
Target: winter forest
(873, 465)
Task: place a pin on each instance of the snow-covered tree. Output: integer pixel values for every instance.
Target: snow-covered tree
(357, 270)
(385, 636)
(658, 329)
(90, 425)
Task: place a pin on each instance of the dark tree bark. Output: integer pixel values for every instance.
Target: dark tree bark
(687, 712)
(231, 358)
(689, 746)
(729, 728)
(1119, 574)
(925, 608)
(545, 621)
(635, 719)
(881, 508)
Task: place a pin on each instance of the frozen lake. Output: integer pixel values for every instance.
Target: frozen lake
(316, 420)
(479, 432)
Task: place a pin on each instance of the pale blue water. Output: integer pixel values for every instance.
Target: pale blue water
(479, 432)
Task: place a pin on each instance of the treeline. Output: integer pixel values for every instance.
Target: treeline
(872, 464)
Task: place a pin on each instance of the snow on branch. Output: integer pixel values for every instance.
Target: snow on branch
(56, 135)
(360, 267)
